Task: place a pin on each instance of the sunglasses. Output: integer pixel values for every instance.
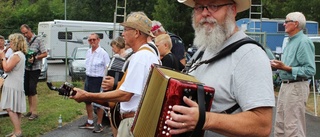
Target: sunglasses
(287, 21)
(92, 40)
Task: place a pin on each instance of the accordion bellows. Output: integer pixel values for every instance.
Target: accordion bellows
(164, 89)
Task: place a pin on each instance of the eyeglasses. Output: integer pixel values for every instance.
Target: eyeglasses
(287, 21)
(92, 40)
(210, 8)
(127, 29)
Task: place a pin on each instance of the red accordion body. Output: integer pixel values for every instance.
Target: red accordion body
(165, 89)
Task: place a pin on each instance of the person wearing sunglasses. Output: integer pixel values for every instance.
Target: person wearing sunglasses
(137, 29)
(97, 60)
(297, 65)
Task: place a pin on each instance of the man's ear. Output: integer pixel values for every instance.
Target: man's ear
(234, 9)
(137, 33)
(166, 45)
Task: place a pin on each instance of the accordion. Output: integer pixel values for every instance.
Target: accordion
(30, 54)
(115, 69)
(165, 88)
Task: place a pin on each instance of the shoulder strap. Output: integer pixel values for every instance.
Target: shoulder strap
(232, 48)
(174, 62)
(202, 111)
(223, 53)
(145, 48)
(128, 55)
(32, 40)
(154, 48)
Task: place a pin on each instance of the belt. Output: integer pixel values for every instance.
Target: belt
(292, 81)
(128, 115)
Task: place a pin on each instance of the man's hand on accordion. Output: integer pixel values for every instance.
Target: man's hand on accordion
(107, 83)
(30, 60)
(184, 118)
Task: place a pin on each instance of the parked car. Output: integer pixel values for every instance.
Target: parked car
(44, 69)
(77, 67)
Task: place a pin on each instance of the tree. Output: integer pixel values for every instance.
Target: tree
(91, 10)
(175, 18)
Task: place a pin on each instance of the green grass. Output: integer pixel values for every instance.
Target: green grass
(50, 106)
(310, 103)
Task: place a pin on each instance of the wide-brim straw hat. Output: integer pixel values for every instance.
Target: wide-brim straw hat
(241, 5)
(139, 22)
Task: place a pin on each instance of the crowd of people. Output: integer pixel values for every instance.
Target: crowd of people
(21, 62)
(244, 95)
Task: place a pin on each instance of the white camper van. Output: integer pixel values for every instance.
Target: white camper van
(53, 34)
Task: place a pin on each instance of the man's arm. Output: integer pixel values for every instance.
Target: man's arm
(101, 98)
(255, 122)
(42, 55)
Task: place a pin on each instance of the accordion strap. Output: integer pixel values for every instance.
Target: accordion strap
(202, 111)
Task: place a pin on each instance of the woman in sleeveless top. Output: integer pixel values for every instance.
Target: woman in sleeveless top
(13, 97)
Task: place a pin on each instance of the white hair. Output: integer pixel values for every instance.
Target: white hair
(212, 38)
(299, 17)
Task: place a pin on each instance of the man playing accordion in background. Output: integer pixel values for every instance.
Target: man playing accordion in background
(137, 28)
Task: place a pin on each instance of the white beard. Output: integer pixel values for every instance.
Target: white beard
(212, 38)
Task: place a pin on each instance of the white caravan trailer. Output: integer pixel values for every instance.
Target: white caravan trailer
(53, 34)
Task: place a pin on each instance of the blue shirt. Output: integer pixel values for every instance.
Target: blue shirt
(300, 55)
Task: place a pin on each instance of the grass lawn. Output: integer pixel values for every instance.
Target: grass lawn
(310, 104)
(50, 106)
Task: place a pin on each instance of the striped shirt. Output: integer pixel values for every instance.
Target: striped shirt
(37, 47)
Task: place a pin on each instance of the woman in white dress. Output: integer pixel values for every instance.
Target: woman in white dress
(13, 98)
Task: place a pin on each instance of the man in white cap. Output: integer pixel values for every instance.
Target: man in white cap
(137, 29)
(244, 96)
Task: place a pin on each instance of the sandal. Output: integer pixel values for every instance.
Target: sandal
(9, 135)
(19, 135)
(33, 117)
(27, 114)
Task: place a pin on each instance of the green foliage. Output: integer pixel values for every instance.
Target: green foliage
(91, 10)
(50, 106)
(175, 18)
